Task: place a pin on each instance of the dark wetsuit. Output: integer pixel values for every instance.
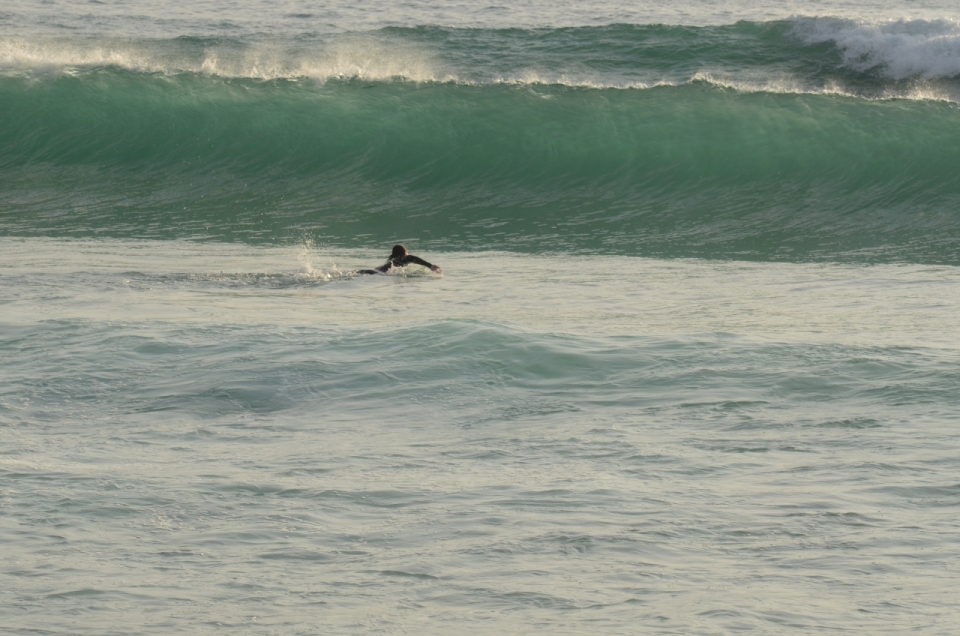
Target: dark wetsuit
(399, 261)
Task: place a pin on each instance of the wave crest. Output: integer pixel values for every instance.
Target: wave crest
(899, 49)
(363, 57)
(914, 59)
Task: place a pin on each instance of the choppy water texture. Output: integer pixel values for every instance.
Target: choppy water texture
(251, 438)
(692, 367)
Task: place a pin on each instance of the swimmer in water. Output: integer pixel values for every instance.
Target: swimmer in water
(399, 258)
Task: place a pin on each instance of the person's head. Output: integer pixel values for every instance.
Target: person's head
(399, 251)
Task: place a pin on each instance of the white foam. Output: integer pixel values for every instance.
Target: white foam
(59, 56)
(923, 52)
(374, 58)
(357, 57)
(787, 85)
(899, 49)
(572, 80)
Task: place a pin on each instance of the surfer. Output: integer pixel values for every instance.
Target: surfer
(400, 258)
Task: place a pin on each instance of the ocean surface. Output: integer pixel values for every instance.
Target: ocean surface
(692, 365)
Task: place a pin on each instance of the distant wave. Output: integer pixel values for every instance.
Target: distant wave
(916, 59)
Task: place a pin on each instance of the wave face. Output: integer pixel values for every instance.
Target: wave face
(801, 139)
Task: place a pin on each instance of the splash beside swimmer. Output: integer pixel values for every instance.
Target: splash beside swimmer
(400, 257)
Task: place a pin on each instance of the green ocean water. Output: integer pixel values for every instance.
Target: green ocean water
(691, 365)
(782, 149)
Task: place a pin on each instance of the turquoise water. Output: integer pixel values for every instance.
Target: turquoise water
(762, 141)
(691, 367)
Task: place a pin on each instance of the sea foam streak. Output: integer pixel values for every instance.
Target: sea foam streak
(366, 57)
(802, 54)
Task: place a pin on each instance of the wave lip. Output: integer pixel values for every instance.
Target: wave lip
(363, 57)
(917, 59)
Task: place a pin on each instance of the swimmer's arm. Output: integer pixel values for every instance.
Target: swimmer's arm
(410, 258)
(379, 270)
